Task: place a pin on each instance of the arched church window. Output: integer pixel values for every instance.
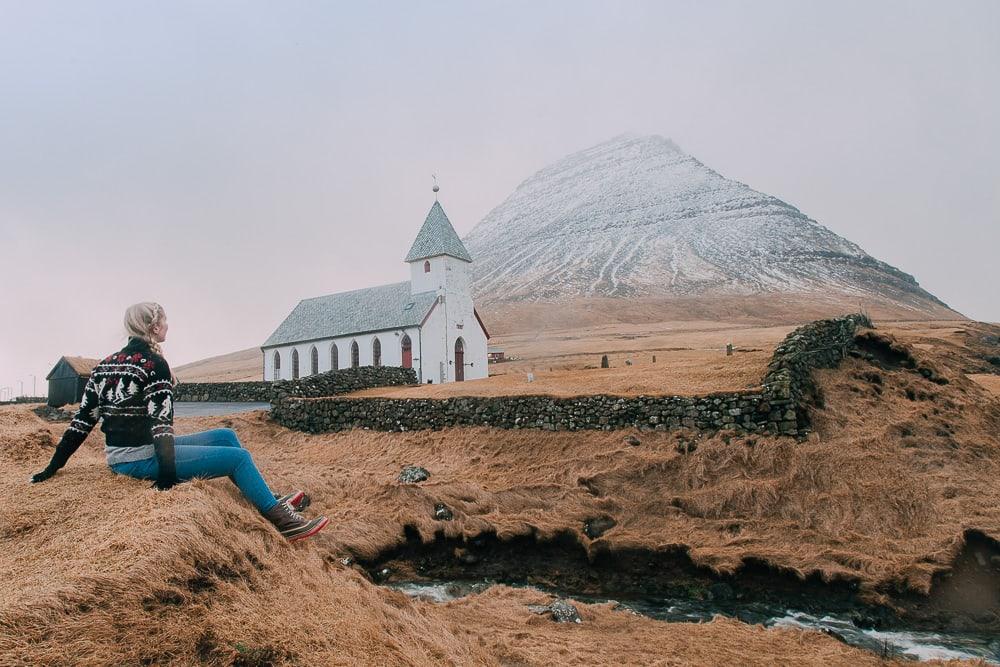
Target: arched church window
(295, 364)
(376, 353)
(277, 366)
(355, 354)
(406, 347)
(427, 266)
(313, 361)
(334, 357)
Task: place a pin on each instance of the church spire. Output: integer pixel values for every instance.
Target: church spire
(437, 237)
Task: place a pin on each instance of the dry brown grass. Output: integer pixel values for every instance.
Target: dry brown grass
(676, 372)
(99, 569)
(750, 310)
(990, 383)
(241, 366)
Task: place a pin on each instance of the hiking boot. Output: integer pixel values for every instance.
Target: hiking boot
(297, 500)
(292, 525)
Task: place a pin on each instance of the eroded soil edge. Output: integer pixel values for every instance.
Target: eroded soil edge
(965, 598)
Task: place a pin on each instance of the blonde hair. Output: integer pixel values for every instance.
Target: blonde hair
(141, 319)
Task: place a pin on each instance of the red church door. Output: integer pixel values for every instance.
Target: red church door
(459, 360)
(407, 352)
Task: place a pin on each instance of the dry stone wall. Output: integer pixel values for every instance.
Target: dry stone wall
(330, 383)
(778, 406)
(516, 412)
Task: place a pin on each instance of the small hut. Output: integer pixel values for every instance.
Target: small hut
(495, 354)
(68, 378)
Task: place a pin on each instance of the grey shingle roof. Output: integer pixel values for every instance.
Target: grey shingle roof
(437, 237)
(372, 309)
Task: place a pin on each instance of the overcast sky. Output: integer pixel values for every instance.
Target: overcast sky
(230, 159)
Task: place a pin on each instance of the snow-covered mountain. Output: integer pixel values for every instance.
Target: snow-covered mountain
(638, 217)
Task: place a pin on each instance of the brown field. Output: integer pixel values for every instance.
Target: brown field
(756, 309)
(574, 334)
(678, 372)
(99, 569)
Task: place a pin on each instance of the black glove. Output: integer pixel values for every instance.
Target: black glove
(162, 485)
(43, 475)
(166, 471)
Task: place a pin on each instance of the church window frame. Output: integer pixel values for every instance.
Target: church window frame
(355, 354)
(427, 266)
(334, 357)
(295, 364)
(376, 352)
(313, 361)
(276, 371)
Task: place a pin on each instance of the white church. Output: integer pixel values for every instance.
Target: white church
(427, 323)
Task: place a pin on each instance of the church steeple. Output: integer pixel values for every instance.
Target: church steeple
(437, 237)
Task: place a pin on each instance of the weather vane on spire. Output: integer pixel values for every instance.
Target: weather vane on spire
(435, 188)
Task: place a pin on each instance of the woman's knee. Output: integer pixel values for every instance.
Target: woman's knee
(225, 437)
(232, 437)
(241, 457)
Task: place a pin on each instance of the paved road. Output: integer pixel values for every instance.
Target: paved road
(209, 409)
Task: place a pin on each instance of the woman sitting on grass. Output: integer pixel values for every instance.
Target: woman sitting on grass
(132, 391)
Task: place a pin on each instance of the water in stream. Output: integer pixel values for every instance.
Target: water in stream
(917, 645)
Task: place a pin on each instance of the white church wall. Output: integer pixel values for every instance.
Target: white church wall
(432, 353)
(427, 282)
(392, 353)
(474, 344)
(462, 322)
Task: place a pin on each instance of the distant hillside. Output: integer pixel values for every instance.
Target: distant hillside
(233, 367)
(637, 218)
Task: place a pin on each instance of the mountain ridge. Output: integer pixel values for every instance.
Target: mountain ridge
(637, 217)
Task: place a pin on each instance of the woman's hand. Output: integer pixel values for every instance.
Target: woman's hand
(41, 476)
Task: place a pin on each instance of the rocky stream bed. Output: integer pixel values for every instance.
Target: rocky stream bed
(959, 619)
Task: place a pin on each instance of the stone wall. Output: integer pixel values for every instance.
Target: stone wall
(25, 399)
(788, 382)
(778, 406)
(330, 383)
(601, 412)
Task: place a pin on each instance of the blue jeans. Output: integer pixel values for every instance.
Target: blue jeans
(209, 454)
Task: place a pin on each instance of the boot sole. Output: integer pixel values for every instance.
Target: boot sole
(312, 529)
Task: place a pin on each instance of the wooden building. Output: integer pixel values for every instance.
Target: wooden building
(495, 354)
(68, 378)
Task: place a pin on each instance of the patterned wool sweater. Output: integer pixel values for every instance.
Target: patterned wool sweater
(131, 391)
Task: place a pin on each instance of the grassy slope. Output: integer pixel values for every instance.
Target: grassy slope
(233, 367)
(102, 569)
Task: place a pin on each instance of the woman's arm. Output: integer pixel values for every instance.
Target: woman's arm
(79, 428)
(159, 397)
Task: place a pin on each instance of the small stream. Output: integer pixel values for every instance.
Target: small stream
(915, 645)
